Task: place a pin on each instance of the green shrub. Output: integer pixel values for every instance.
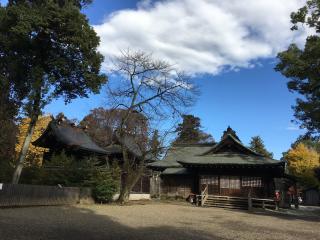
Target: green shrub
(105, 183)
(105, 188)
(32, 175)
(87, 172)
(6, 171)
(70, 172)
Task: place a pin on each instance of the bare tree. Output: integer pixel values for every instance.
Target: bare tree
(153, 88)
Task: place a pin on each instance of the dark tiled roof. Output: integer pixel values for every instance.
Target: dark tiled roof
(113, 149)
(163, 164)
(176, 171)
(130, 143)
(68, 135)
(179, 151)
(229, 151)
(228, 159)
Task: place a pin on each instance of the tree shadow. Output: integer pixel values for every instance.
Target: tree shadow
(285, 214)
(270, 227)
(274, 233)
(59, 223)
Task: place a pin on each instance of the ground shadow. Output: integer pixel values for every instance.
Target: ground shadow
(59, 223)
(284, 214)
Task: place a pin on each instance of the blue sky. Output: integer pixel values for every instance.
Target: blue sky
(230, 48)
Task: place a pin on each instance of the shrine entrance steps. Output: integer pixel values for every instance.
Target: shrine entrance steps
(237, 202)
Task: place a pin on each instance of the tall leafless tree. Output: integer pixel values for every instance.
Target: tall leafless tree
(152, 87)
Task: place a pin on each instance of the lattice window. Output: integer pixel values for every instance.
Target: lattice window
(212, 180)
(230, 182)
(234, 183)
(251, 182)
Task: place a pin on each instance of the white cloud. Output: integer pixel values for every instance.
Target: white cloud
(203, 36)
(293, 127)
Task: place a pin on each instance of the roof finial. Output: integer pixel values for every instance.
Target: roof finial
(231, 132)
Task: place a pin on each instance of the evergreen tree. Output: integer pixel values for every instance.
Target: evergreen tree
(312, 143)
(49, 48)
(155, 145)
(257, 145)
(189, 131)
(301, 66)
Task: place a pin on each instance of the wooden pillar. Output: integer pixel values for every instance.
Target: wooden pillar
(296, 200)
(249, 200)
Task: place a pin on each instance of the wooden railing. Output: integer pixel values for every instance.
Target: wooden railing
(263, 203)
(204, 195)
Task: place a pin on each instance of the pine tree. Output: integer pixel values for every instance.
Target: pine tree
(189, 131)
(155, 145)
(301, 66)
(258, 146)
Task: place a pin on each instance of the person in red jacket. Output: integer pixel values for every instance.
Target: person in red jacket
(277, 199)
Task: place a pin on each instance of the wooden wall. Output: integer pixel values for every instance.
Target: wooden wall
(142, 185)
(311, 197)
(180, 186)
(13, 195)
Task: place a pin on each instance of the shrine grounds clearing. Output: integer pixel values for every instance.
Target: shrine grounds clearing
(153, 221)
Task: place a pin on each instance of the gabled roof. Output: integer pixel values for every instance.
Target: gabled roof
(230, 143)
(229, 151)
(65, 134)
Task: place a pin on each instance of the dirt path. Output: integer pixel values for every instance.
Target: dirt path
(152, 221)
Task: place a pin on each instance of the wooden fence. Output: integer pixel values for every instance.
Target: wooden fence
(15, 195)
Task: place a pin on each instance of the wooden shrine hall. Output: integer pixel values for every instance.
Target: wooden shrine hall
(227, 168)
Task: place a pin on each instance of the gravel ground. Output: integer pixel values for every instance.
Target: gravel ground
(153, 221)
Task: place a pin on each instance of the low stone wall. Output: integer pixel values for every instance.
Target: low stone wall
(135, 196)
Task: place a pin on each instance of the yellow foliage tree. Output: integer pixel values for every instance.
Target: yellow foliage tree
(302, 161)
(35, 154)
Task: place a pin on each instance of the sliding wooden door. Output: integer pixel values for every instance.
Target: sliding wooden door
(230, 186)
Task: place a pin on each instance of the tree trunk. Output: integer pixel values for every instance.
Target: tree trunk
(127, 184)
(130, 178)
(124, 193)
(25, 147)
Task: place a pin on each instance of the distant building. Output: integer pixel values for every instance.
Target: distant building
(62, 135)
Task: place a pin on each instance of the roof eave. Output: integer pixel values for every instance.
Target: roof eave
(230, 164)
